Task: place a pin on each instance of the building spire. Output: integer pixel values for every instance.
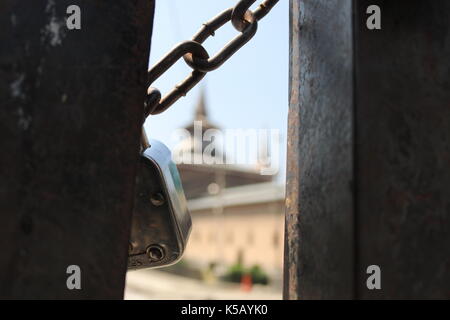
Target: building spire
(200, 110)
(201, 114)
(199, 124)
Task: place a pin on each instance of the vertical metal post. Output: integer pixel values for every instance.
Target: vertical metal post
(70, 118)
(368, 179)
(319, 217)
(402, 116)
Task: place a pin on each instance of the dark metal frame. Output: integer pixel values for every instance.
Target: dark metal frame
(70, 124)
(367, 173)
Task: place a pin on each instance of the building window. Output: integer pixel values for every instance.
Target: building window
(250, 238)
(240, 256)
(276, 239)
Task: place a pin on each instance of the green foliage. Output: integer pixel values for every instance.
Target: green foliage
(258, 275)
(236, 271)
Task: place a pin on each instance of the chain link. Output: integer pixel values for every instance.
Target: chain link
(195, 55)
(206, 65)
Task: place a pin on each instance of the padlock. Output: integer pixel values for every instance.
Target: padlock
(161, 221)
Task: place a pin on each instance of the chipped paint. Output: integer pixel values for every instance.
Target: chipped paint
(16, 87)
(53, 31)
(24, 120)
(66, 195)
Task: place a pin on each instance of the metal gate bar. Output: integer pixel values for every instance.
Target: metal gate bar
(70, 118)
(368, 156)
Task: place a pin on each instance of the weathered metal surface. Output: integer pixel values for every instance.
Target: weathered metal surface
(70, 118)
(395, 91)
(319, 216)
(403, 148)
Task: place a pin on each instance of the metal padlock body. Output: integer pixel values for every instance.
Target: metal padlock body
(161, 220)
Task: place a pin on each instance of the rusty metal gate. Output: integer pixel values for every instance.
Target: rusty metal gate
(71, 118)
(368, 150)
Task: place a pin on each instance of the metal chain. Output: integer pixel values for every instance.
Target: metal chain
(195, 55)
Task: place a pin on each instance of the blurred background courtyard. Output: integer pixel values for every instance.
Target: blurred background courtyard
(235, 250)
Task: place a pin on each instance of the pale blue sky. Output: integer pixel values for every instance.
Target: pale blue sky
(249, 91)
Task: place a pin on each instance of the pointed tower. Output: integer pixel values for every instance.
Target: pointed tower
(198, 127)
(201, 114)
(200, 110)
(196, 177)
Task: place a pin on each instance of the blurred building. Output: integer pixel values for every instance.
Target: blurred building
(238, 214)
